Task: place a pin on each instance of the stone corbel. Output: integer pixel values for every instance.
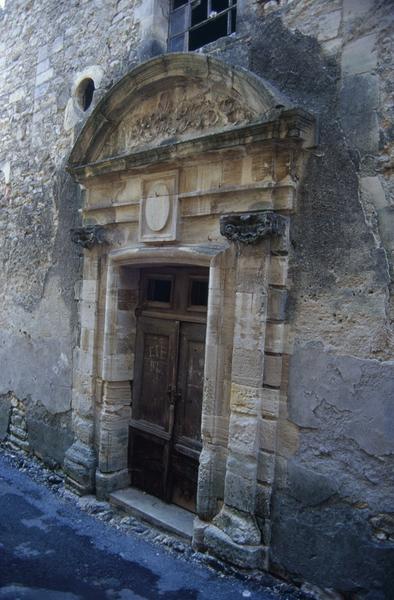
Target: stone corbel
(251, 227)
(89, 236)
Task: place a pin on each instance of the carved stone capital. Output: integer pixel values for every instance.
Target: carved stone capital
(249, 228)
(88, 236)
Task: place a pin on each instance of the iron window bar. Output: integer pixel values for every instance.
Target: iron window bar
(213, 15)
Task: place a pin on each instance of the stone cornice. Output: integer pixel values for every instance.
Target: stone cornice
(292, 127)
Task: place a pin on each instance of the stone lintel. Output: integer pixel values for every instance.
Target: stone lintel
(292, 129)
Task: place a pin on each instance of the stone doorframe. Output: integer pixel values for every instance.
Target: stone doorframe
(212, 185)
(241, 382)
(120, 323)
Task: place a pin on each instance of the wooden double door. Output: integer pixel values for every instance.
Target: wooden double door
(165, 429)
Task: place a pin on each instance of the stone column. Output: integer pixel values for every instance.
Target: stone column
(80, 459)
(117, 375)
(112, 472)
(234, 533)
(215, 410)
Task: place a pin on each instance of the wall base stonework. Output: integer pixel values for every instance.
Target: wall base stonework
(242, 555)
(110, 482)
(80, 468)
(5, 413)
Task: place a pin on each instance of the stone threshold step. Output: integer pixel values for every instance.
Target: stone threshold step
(168, 517)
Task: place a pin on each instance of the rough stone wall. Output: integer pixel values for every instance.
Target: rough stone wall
(333, 504)
(46, 48)
(332, 510)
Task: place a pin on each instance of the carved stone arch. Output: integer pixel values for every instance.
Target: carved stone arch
(170, 98)
(216, 152)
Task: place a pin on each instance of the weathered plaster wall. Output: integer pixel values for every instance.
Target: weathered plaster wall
(46, 49)
(333, 505)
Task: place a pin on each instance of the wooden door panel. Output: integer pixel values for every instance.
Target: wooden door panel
(184, 476)
(187, 429)
(155, 379)
(155, 372)
(190, 384)
(165, 429)
(147, 468)
(152, 413)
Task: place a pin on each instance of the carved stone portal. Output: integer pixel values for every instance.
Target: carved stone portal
(249, 228)
(185, 139)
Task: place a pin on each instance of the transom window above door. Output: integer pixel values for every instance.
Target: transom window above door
(180, 290)
(195, 23)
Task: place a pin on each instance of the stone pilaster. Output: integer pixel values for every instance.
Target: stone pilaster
(112, 472)
(117, 373)
(80, 459)
(235, 534)
(215, 413)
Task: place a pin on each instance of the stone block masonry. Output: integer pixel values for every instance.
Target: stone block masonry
(13, 422)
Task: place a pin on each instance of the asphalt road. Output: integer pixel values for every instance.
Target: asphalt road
(51, 550)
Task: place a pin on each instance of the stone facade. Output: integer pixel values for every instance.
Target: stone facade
(279, 135)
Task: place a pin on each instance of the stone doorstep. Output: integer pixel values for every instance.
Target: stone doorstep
(168, 517)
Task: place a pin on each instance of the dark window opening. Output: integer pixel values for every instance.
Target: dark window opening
(199, 12)
(85, 93)
(195, 23)
(208, 33)
(199, 292)
(159, 290)
(219, 5)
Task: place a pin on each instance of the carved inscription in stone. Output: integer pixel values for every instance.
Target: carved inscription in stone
(175, 113)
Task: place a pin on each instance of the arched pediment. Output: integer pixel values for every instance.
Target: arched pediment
(172, 98)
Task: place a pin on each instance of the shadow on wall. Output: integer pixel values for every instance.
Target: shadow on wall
(337, 489)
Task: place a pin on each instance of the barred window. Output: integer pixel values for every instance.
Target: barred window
(194, 23)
